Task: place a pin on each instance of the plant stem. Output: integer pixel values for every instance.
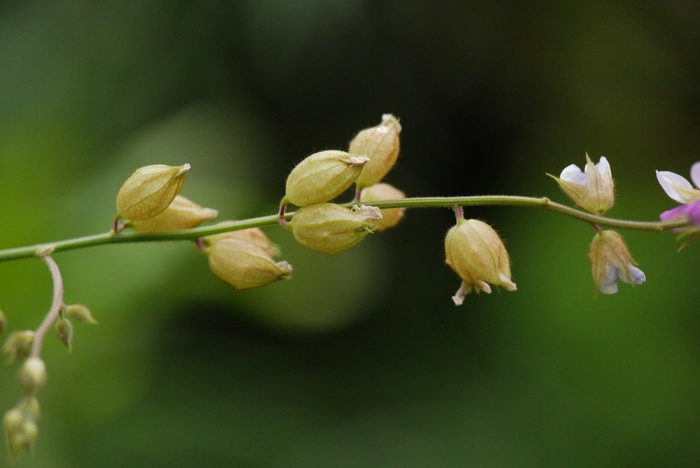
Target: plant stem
(424, 202)
(56, 305)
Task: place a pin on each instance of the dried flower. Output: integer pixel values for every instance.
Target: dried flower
(150, 190)
(381, 145)
(244, 265)
(390, 216)
(611, 260)
(592, 190)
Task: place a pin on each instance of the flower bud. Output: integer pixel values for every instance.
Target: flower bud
(331, 228)
(323, 176)
(18, 344)
(390, 216)
(254, 236)
(476, 253)
(32, 374)
(592, 190)
(150, 190)
(79, 313)
(245, 265)
(611, 260)
(381, 145)
(64, 331)
(180, 214)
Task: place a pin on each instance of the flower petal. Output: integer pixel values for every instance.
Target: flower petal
(604, 167)
(677, 212)
(573, 174)
(638, 276)
(695, 174)
(674, 185)
(693, 212)
(608, 282)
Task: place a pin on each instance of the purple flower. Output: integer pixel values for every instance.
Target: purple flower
(679, 189)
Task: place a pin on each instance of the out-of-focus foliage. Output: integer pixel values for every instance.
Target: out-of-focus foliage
(361, 359)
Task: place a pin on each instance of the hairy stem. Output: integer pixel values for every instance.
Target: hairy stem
(425, 202)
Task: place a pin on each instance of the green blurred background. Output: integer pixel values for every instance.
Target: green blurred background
(361, 359)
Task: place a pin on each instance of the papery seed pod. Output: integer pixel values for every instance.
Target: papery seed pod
(18, 344)
(64, 331)
(150, 190)
(32, 374)
(255, 236)
(245, 265)
(381, 145)
(330, 228)
(79, 313)
(390, 216)
(477, 254)
(180, 214)
(322, 177)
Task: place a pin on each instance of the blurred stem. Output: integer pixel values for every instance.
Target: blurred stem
(56, 304)
(426, 202)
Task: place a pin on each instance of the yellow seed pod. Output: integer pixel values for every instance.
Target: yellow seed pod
(382, 191)
(245, 265)
(254, 236)
(477, 254)
(180, 214)
(332, 228)
(32, 374)
(150, 190)
(381, 145)
(322, 177)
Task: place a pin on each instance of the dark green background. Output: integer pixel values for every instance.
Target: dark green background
(361, 359)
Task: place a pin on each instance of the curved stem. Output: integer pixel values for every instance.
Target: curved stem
(56, 305)
(424, 202)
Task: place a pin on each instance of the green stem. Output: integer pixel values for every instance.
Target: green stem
(425, 202)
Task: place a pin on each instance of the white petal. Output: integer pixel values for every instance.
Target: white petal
(607, 284)
(695, 174)
(461, 293)
(574, 175)
(673, 184)
(604, 167)
(638, 276)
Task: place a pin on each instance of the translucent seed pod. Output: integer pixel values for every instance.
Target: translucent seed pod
(182, 213)
(381, 145)
(150, 190)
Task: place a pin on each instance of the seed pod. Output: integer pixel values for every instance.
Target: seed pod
(18, 344)
(322, 177)
(245, 265)
(32, 374)
(330, 228)
(381, 145)
(80, 313)
(150, 190)
(477, 254)
(255, 236)
(64, 331)
(180, 214)
(390, 216)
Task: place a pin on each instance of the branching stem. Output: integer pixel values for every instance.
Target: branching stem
(56, 305)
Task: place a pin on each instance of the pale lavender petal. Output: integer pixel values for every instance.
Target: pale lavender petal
(695, 174)
(671, 183)
(638, 276)
(603, 167)
(677, 212)
(608, 282)
(693, 212)
(573, 174)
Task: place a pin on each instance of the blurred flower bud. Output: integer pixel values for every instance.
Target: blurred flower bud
(381, 145)
(322, 177)
(611, 260)
(255, 236)
(29, 405)
(32, 374)
(245, 265)
(64, 331)
(592, 190)
(3, 322)
(18, 344)
(13, 421)
(390, 216)
(80, 313)
(150, 190)
(331, 228)
(180, 214)
(476, 253)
